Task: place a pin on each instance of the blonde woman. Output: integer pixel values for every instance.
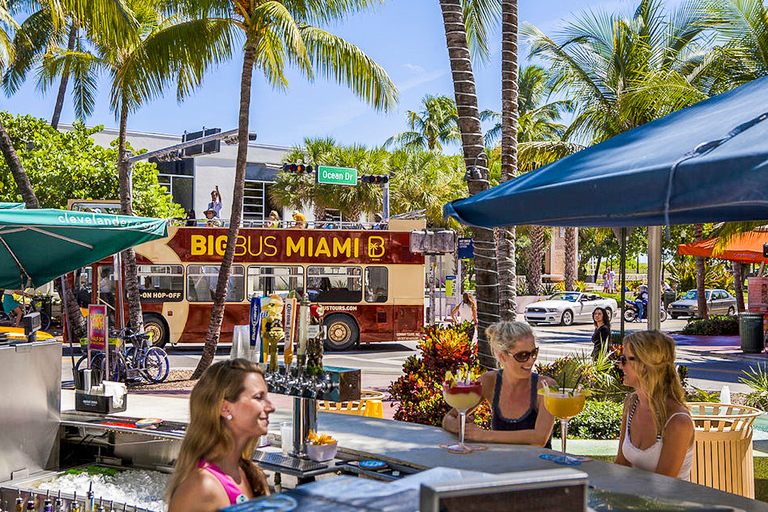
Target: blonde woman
(656, 428)
(229, 411)
(518, 412)
(467, 310)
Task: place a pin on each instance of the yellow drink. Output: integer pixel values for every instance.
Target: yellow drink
(564, 405)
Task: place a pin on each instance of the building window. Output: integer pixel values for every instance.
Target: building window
(256, 201)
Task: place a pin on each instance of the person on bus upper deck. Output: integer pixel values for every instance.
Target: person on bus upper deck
(212, 221)
(379, 221)
(300, 221)
(191, 218)
(215, 203)
(274, 220)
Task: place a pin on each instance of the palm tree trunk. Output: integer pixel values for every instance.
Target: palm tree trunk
(700, 273)
(64, 79)
(505, 249)
(597, 269)
(130, 274)
(535, 255)
(217, 315)
(570, 259)
(474, 157)
(17, 169)
(738, 285)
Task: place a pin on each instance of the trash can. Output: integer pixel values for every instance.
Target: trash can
(668, 297)
(723, 456)
(751, 331)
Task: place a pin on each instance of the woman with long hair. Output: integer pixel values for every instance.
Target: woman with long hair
(657, 431)
(601, 338)
(229, 411)
(518, 412)
(467, 310)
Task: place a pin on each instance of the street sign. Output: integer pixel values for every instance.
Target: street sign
(466, 249)
(336, 175)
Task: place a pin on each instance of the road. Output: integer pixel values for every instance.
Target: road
(707, 372)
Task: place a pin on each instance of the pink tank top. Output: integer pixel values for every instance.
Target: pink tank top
(231, 488)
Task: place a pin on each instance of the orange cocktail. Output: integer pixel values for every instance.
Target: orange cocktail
(564, 405)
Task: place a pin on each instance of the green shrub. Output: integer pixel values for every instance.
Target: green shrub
(716, 325)
(598, 420)
(757, 380)
(419, 390)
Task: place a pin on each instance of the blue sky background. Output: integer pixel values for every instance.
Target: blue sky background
(404, 36)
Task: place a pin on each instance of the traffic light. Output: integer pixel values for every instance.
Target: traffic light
(297, 168)
(374, 178)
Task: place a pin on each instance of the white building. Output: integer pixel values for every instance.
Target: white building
(191, 179)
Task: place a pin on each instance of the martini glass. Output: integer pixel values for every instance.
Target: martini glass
(462, 396)
(564, 405)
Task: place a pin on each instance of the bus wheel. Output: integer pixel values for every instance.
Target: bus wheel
(342, 332)
(155, 325)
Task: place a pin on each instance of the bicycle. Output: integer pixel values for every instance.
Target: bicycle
(132, 357)
(33, 306)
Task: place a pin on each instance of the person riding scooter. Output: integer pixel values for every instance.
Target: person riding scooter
(641, 300)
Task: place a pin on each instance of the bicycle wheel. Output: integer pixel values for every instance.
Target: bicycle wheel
(116, 366)
(5, 320)
(154, 365)
(45, 321)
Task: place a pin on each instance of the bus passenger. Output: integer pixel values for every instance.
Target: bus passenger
(300, 221)
(518, 415)
(212, 221)
(229, 411)
(274, 220)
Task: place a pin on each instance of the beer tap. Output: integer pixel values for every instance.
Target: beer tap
(90, 498)
(58, 504)
(47, 504)
(19, 503)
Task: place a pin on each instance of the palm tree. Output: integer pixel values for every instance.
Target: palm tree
(278, 33)
(475, 159)
(164, 50)
(434, 125)
(601, 59)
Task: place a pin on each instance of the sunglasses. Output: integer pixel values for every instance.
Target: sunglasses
(525, 355)
(623, 359)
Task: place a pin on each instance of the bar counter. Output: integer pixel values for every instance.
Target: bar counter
(418, 446)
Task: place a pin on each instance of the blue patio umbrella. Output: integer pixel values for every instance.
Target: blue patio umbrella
(705, 163)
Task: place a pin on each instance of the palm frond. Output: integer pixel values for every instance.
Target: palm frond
(480, 17)
(335, 58)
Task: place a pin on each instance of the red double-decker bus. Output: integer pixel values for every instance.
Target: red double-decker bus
(369, 282)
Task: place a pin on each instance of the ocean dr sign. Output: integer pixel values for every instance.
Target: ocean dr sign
(336, 175)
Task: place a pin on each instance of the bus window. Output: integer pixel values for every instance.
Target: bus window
(334, 284)
(376, 284)
(202, 279)
(264, 281)
(161, 283)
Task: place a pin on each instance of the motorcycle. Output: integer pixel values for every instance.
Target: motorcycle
(631, 314)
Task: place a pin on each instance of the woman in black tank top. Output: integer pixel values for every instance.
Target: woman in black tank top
(518, 413)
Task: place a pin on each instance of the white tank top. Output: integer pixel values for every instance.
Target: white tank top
(648, 459)
(465, 312)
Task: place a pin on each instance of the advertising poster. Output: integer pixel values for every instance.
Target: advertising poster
(97, 327)
(289, 323)
(255, 317)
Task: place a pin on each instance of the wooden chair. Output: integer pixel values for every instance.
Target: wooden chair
(369, 405)
(723, 456)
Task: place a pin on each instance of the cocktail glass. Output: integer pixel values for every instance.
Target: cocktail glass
(564, 405)
(462, 396)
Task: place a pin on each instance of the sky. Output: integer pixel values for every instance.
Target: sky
(405, 37)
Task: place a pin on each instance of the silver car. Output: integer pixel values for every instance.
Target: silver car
(568, 307)
(719, 302)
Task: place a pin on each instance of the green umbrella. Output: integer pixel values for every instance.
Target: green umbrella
(37, 246)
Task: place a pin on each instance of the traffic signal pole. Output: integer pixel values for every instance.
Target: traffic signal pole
(385, 200)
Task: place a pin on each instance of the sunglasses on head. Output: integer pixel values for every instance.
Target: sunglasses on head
(623, 359)
(525, 355)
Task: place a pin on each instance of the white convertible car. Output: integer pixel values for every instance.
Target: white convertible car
(568, 307)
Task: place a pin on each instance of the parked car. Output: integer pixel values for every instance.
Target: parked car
(568, 307)
(719, 302)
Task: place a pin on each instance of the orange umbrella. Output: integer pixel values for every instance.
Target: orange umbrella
(746, 248)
